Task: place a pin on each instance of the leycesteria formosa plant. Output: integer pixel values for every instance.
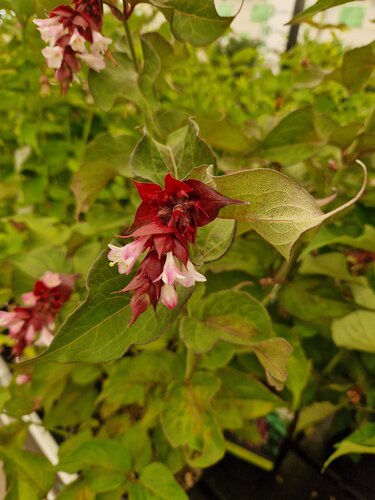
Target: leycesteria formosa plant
(74, 36)
(33, 322)
(165, 225)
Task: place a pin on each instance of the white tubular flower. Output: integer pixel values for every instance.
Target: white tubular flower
(94, 61)
(125, 257)
(50, 29)
(170, 271)
(53, 56)
(168, 296)
(77, 42)
(191, 275)
(100, 43)
(51, 280)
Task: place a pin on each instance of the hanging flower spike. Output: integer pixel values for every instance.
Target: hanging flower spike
(33, 322)
(74, 35)
(166, 223)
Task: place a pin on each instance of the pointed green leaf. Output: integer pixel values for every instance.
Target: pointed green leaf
(195, 22)
(183, 151)
(277, 208)
(156, 482)
(319, 6)
(361, 441)
(355, 331)
(118, 79)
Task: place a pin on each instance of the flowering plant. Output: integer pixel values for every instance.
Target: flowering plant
(198, 333)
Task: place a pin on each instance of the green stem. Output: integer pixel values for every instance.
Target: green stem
(131, 44)
(248, 456)
(190, 363)
(281, 275)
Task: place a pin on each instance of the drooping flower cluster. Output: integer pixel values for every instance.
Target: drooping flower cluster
(165, 225)
(74, 35)
(33, 322)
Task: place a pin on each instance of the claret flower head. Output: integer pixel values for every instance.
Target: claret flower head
(74, 35)
(165, 224)
(33, 322)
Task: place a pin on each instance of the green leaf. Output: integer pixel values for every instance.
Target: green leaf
(299, 369)
(357, 67)
(277, 208)
(36, 261)
(355, 331)
(332, 235)
(308, 305)
(319, 6)
(188, 419)
(98, 329)
(363, 294)
(105, 463)
(294, 138)
(215, 239)
(118, 79)
(238, 318)
(156, 482)
(195, 22)
(150, 71)
(361, 441)
(104, 158)
(315, 413)
(31, 469)
(183, 151)
(241, 397)
(333, 264)
(130, 378)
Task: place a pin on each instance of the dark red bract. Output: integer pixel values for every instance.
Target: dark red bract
(165, 224)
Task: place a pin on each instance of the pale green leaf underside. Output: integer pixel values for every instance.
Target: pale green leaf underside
(277, 208)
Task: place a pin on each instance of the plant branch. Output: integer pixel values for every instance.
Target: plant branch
(130, 41)
(190, 363)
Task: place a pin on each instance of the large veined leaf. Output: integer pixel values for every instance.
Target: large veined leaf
(295, 138)
(105, 463)
(238, 318)
(156, 482)
(183, 151)
(98, 330)
(195, 22)
(188, 419)
(361, 441)
(118, 79)
(319, 6)
(277, 208)
(355, 331)
(357, 66)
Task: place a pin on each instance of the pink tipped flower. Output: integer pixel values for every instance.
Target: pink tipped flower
(125, 257)
(191, 275)
(23, 378)
(168, 296)
(50, 29)
(53, 56)
(77, 42)
(29, 299)
(51, 280)
(33, 322)
(94, 61)
(100, 43)
(45, 337)
(170, 271)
